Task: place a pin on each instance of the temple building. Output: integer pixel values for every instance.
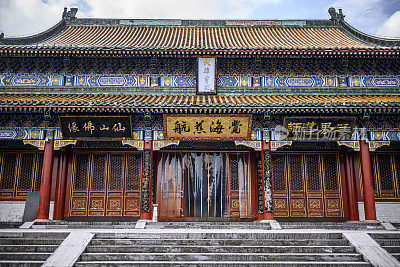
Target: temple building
(109, 119)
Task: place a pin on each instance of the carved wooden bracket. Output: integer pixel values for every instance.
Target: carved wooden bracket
(37, 143)
(157, 145)
(277, 144)
(252, 144)
(373, 145)
(352, 144)
(133, 143)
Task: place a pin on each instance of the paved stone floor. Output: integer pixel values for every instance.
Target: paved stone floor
(375, 247)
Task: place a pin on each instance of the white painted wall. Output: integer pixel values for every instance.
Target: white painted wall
(13, 211)
(385, 211)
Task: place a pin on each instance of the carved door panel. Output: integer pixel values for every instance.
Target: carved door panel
(115, 194)
(106, 184)
(97, 189)
(385, 175)
(315, 200)
(330, 172)
(80, 181)
(297, 201)
(279, 185)
(132, 202)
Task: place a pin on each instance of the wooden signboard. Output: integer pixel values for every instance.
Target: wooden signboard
(212, 126)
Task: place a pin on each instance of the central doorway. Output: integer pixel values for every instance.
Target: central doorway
(203, 184)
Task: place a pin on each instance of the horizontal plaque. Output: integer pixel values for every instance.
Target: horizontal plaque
(177, 126)
(96, 127)
(317, 128)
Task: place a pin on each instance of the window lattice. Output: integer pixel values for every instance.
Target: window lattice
(134, 165)
(82, 171)
(99, 171)
(116, 171)
(278, 172)
(9, 171)
(39, 166)
(330, 171)
(295, 171)
(233, 162)
(385, 171)
(26, 173)
(312, 172)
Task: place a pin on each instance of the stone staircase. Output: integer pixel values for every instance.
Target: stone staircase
(220, 248)
(332, 225)
(388, 241)
(83, 225)
(28, 249)
(208, 225)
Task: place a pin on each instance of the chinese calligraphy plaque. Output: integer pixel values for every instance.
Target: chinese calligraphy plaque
(211, 126)
(96, 127)
(206, 76)
(319, 128)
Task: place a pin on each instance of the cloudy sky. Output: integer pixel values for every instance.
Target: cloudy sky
(26, 17)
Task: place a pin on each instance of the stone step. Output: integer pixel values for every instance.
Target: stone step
(207, 225)
(23, 256)
(298, 257)
(388, 242)
(220, 263)
(392, 249)
(221, 235)
(33, 235)
(222, 242)
(392, 235)
(25, 241)
(328, 225)
(28, 248)
(21, 263)
(219, 249)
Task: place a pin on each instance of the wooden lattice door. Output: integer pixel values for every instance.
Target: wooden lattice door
(106, 184)
(306, 185)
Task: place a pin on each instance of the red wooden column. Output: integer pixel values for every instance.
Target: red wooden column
(267, 181)
(351, 188)
(60, 190)
(146, 180)
(368, 187)
(45, 186)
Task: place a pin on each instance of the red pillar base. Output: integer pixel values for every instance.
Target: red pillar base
(145, 216)
(269, 216)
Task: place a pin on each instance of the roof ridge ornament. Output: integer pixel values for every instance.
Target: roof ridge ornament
(336, 17)
(69, 15)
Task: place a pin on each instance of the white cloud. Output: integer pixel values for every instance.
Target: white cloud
(366, 13)
(185, 9)
(391, 28)
(372, 15)
(26, 17)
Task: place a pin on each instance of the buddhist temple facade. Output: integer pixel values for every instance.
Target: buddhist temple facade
(126, 119)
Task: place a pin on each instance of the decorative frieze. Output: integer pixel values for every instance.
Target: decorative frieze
(190, 80)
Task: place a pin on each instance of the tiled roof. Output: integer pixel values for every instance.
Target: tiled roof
(207, 38)
(109, 102)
